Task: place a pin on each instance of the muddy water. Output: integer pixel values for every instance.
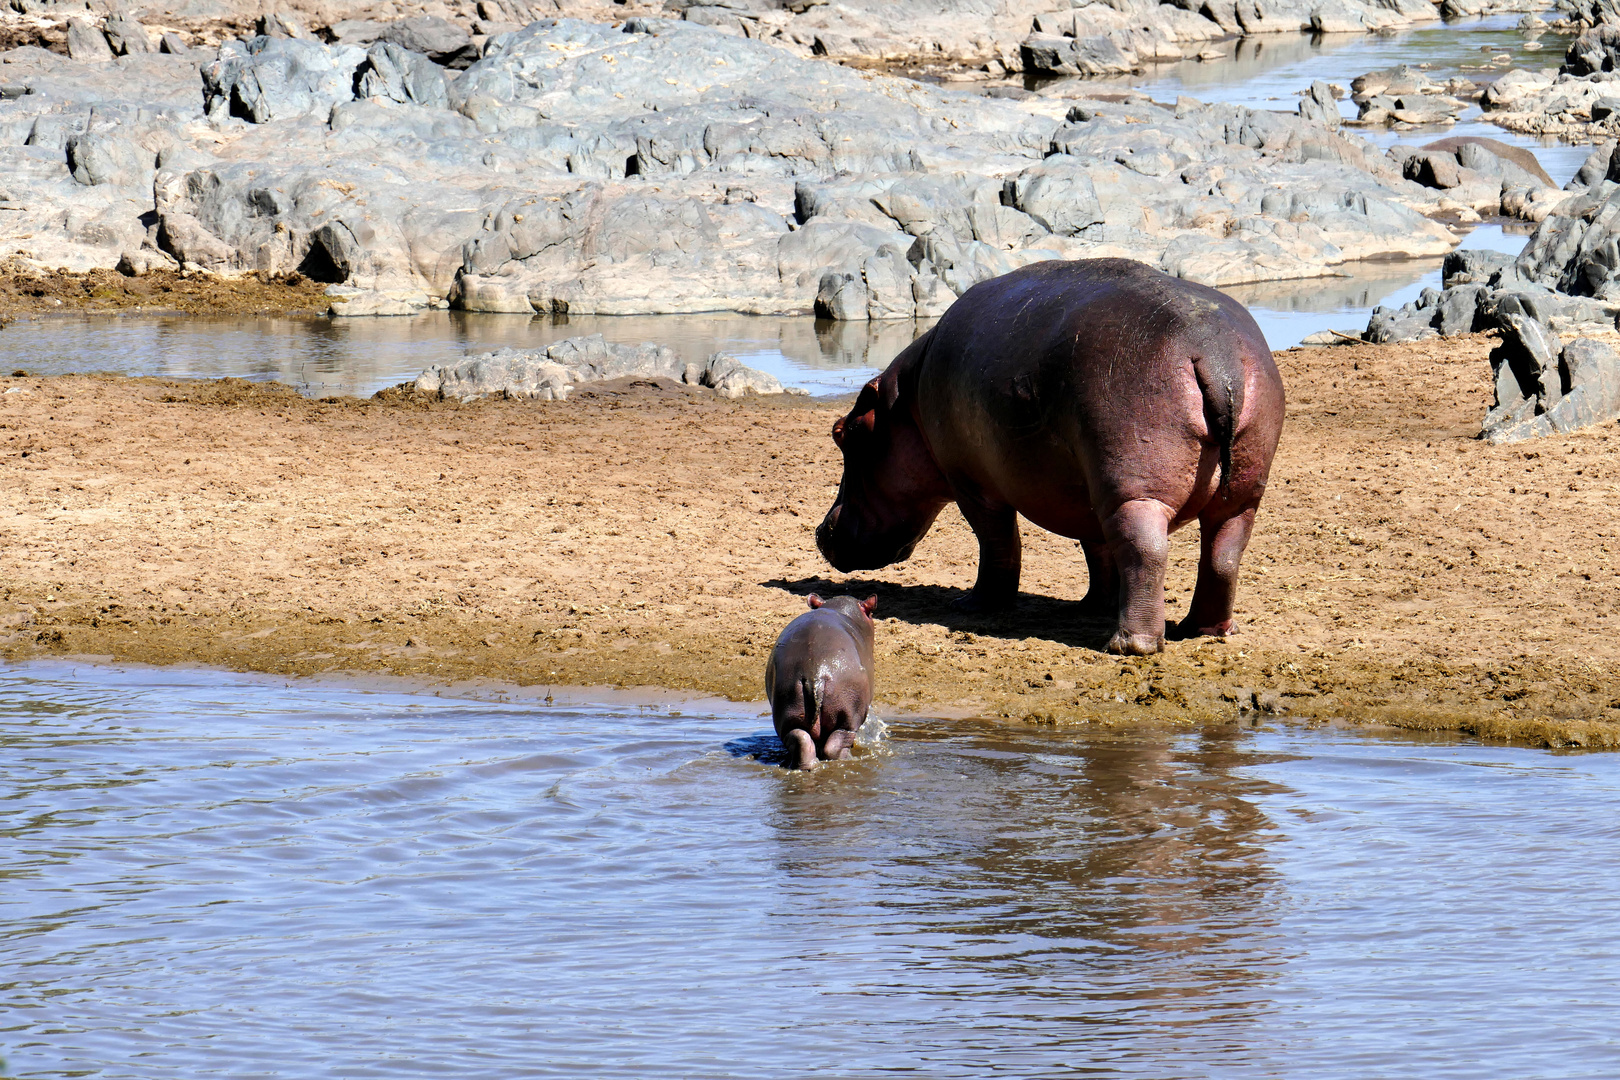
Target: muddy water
(211, 874)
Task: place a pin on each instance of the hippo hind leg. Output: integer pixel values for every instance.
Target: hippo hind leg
(1139, 541)
(801, 749)
(1102, 585)
(1222, 540)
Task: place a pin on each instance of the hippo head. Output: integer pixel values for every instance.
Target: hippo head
(891, 490)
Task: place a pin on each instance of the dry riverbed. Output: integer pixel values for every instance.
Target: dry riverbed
(646, 535)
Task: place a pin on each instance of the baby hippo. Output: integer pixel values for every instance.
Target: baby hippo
(819, 679)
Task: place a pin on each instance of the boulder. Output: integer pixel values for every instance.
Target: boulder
(1544, 387)
(396, 73)
(272, 78)
(441, 40)
(550, 374)
(126, 36)
(1592, 51)
(85, 42)
(96, 158)
(1320, 105)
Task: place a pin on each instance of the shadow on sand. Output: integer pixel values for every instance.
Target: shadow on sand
(1065, 622)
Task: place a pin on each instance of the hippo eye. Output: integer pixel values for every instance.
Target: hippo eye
(838, 432)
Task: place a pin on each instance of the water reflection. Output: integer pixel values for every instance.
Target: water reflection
(360, 356)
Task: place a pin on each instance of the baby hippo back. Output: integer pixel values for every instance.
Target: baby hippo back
(819, 679)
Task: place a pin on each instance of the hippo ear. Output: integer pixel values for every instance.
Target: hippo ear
(816, 601)
(868, 604)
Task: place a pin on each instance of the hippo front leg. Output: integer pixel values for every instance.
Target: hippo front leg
(1000, 556)
(1139, 540)
(801, 749)
(1102, 580)
(1221, 545)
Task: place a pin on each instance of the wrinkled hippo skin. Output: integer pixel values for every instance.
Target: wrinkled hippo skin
(819, 679)
(1102, 400)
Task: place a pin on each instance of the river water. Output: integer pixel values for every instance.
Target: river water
(227, 875)
(361, 356)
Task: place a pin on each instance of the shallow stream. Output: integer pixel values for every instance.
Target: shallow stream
(209, 874)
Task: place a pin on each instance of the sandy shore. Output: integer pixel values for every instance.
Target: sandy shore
(1402, 572)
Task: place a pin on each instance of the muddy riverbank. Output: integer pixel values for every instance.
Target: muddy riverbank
(648, 535)
(28, 290)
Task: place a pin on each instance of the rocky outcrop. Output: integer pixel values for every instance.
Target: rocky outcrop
(1405, 95)
(1482, 175)
(663, 166)
(1544, 387)
(1580, 102)
(550, 374)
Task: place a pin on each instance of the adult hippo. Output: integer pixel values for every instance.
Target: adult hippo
(1102, 400)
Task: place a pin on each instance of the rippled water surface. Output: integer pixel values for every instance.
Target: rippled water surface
(220, 875)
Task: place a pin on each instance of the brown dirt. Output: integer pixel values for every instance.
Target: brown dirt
(26, 290)
(1402, 572)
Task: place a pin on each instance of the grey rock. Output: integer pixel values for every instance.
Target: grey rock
(1094, 55)
(1593, 170)
(1456, 309)
(185, 238)
(439, 39)
(1473, 267)
(1320, 105)
(96, 158)
(356, 31)
(1592, 12)
(1058, 194)
(1594, 50)
(398, 74)
(279, 78)
(666, 167)
(85, 42)
(173, 44)
(279, 24)
(125, 35)
(1538, 394)
(730, 378)
(551, 374)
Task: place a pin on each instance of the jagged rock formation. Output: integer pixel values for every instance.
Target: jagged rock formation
(1545, 387)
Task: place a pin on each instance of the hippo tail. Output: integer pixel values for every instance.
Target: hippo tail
(1221, 379)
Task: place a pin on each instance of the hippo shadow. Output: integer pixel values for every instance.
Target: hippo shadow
(1066, 622)
(764, 748)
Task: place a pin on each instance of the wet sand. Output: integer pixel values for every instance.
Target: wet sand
(1402, 572)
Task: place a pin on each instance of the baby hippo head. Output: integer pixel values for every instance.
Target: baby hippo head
(819, 679)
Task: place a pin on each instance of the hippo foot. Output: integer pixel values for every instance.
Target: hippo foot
(978, 604)
(1124, 644)
(1187, 628)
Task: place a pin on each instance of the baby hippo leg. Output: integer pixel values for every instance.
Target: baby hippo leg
(837, 746)
(800, 744)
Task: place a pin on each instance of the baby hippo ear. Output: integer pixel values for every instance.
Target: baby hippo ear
(816, 601)
(868, 604)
